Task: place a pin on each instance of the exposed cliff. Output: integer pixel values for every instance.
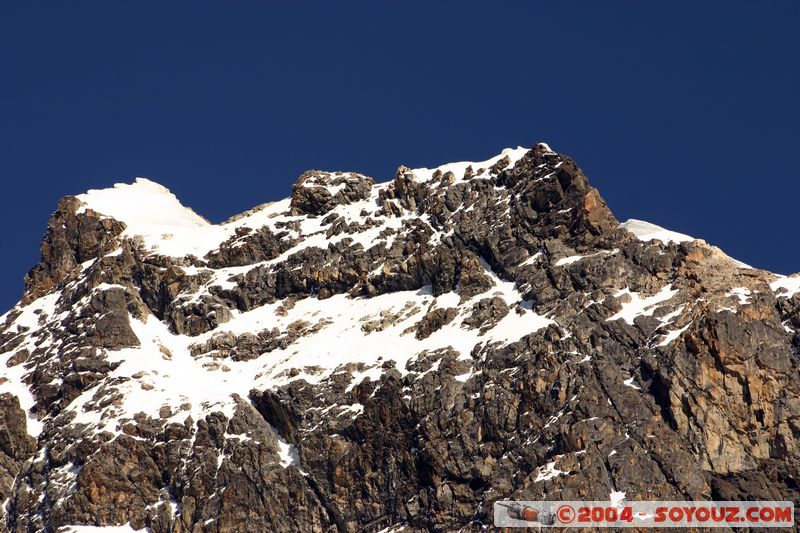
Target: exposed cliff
(365, 356)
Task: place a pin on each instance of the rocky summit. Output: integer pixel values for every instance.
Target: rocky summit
(390, 356)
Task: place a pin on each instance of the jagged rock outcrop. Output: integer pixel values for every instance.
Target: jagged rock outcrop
(364, 356)
(73, 237)
(16, 446)
(316, 193)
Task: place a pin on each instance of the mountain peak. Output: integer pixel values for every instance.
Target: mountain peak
(150, 211)
(365, 356)
(646, 231)
(508, 156)
(141, 205)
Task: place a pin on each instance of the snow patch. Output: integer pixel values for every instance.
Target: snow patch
(101, 529)
(638, 306)
(631, 382)
(616, 497)
(569, 260)
(162, 379)
(575, 258)
(12, 378)
(549, 471)
(532, 259)
(741, 293)
(786, 286)
(287, 453)
(672, 335)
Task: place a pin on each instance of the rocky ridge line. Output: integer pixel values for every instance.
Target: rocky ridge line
(365, 356)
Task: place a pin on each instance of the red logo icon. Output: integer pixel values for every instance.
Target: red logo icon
(566, 514)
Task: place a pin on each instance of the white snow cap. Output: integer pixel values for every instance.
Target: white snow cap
(645, 231)
(151, 211)
(143, 204)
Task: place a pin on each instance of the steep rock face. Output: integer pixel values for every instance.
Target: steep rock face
(72, 238)
(365, 356)
(16, 446)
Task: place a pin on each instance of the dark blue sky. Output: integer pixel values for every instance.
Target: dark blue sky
(685, 115)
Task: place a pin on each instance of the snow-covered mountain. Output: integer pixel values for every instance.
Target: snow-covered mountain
(392, 356)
